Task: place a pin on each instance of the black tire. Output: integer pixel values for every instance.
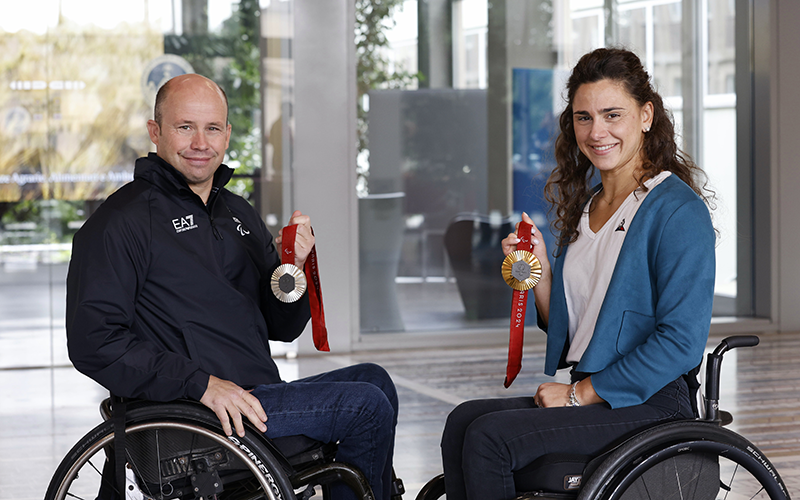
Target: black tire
(690, 460)
(433, 489)
(170, 446)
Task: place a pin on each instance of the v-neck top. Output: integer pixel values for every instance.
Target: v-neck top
(589, 265)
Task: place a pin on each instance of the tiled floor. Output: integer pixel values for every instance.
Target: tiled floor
(43, 411)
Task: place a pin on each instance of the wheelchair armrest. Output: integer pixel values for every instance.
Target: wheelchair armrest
(713, 368)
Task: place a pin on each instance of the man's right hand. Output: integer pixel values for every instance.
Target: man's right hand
(229, 402)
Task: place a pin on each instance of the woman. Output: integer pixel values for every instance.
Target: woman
(627, 303)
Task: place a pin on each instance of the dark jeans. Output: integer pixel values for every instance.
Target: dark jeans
(484, 441)
(355, 406)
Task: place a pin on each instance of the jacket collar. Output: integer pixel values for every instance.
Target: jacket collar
(157, 171)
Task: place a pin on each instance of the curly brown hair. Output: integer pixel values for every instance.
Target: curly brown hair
(568, 189)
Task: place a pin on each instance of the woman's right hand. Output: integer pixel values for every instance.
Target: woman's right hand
(541, 291)
(509, 244)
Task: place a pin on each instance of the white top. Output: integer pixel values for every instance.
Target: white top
(589, 264)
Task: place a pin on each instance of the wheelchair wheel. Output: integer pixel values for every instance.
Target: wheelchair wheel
(173, 451)
(433, 489)
(685, 460)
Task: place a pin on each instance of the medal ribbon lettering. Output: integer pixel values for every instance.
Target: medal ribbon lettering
(318, 329)
(518, 306)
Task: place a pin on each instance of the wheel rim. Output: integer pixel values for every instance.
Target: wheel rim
(742, 473)
(84, 463)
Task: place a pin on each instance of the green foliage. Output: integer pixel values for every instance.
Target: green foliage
(373, 17)
(242, 186)
(373, 71)
(241, 78)
(232, 58)
(39, 221)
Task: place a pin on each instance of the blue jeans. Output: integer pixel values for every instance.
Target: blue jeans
(355, 406)
(485, 440)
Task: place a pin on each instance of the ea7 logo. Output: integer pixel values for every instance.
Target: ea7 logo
(184, 223)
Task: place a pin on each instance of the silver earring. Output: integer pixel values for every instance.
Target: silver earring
(647, 130)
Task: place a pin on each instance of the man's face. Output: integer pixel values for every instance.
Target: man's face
(194, 134)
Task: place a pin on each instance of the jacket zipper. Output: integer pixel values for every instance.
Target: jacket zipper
(214, 229)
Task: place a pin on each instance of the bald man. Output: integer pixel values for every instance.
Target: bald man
(168, 297)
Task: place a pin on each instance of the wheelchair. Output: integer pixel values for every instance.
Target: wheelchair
(177, 450)
(683, 460)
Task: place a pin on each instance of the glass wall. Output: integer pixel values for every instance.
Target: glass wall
(77, 86)
(457, 102)
(466, 156)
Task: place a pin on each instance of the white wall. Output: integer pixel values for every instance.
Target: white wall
(785, 157)
(324, 156)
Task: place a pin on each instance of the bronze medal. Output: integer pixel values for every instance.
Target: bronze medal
(288, 283)
(522, 270)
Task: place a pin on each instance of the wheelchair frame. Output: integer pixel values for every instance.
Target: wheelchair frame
(609, 476)
(254, 464)
(278, 479)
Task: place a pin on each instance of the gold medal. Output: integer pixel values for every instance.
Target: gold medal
(288, 283)
(522, 270)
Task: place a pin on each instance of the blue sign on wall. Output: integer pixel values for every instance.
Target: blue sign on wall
(534, 130)
(160, 70)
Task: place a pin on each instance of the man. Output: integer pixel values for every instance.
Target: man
(168, 297)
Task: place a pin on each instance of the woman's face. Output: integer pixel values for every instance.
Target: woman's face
(610, 126)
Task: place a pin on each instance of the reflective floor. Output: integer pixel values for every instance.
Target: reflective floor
(43, 412)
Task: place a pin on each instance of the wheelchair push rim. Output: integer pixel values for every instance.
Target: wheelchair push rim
(709, 447)
(739, 464)
(94, 445)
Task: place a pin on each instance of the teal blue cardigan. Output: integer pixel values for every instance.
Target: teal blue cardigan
(654, 322)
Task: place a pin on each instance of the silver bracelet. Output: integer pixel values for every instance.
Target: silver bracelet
(573, 399)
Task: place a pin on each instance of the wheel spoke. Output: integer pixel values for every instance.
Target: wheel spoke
(730, 482)
(708, 461)
(95, 468)
(158, 465)
(677, 478)
(137, 472)
(757, 492)
(245, 468)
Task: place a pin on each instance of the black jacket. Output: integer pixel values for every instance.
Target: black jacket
(163, 291)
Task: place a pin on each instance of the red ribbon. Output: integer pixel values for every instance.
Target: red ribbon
(518, 306)
(318, 329)
(287, 248)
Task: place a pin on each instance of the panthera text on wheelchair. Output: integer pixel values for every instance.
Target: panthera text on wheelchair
(178, 451)
(683, 460)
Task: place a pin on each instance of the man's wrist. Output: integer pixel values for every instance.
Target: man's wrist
(197, 385)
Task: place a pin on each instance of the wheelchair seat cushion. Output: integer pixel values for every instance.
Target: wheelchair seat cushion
(555, 472)
(302, 450)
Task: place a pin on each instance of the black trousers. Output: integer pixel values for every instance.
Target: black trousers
(485, 440)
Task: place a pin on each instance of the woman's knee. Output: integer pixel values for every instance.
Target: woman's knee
(465, 413)
(484, 437)
(458, 421)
